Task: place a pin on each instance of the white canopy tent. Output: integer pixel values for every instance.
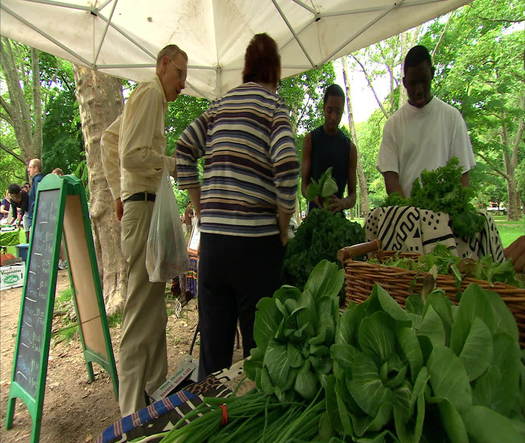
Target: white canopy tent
(122, 37)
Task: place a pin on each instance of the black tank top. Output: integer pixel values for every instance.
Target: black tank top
(331, 150)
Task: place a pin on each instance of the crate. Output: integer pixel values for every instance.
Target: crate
(360, 277)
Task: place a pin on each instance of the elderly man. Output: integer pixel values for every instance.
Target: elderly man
(141, 152)
(34, 170)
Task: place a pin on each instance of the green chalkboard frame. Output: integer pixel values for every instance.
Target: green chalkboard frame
(66, 186)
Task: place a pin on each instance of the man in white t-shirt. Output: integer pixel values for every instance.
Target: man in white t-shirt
(424, 133)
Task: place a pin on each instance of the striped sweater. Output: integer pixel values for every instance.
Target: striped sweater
(250, 162)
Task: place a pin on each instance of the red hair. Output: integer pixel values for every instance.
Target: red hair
(262, 62)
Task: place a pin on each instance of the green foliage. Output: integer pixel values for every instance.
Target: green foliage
(180, 114)
(303, 94)
(319, 237)
(62, 134)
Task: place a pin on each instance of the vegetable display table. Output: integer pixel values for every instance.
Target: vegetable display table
(410, 229)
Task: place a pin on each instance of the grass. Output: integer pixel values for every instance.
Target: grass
(68, 327)
(509, 230)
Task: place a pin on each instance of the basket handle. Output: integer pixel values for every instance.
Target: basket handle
(357, 250)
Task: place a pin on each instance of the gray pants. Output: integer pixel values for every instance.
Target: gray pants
(143, 355)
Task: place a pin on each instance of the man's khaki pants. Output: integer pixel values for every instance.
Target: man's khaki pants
(143, 356)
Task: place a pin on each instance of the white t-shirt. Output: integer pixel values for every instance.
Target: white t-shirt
(415, 139)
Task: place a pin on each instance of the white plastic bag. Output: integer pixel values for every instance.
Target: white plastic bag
(166, 255)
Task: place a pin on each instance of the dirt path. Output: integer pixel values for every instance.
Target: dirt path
(74, 410)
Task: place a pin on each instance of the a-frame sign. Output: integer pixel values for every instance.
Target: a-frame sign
(61, 213)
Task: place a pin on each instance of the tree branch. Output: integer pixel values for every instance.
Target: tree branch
(492, 165)
(10, 152)
(6, 118)
(503, 20)
(371, 86)
(442, 35)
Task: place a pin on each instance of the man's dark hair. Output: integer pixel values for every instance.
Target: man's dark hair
(333, 91)
(13, 189)
(262, 62)
(418, 54)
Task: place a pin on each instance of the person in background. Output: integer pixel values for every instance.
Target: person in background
(19, 205)
(515, 252)
(57, 171)
(5, 212)
(327, 146)
(34, 170)
(244, 203)
(139, 166)
(424, 133)
(26, 187)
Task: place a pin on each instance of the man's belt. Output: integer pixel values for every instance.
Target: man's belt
(141, 196)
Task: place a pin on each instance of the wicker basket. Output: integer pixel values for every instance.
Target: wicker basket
(400, 283)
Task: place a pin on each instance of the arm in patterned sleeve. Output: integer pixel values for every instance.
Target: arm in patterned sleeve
(190, 147)
(284, 160)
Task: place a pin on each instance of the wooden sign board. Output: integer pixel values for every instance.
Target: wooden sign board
(61, 214)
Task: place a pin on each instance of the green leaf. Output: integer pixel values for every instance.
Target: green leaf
(331, 403)
(276, 361)
(326, 280)
(414, 304)
(390, 306)
(442, 306)
(344, 413)
(366, 386)
(499, 387)
(306, 383)
(266, 384)
(452, 422)
(411, 349)
(431, 326)
(448, 377)
(488, 306)
(477, 350)
(403, 423)
(295, 359)
(267, 319)
(487, 426)
(419, 385)
(376, 336)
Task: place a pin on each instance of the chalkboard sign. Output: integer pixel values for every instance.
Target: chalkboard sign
(60, 215)
(32, 322)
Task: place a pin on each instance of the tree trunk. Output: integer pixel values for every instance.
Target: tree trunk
(37, 104)
(16, 111)
(363, 187)
(100, 101)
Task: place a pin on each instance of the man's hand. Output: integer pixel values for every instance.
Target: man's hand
(516, 253)
(336, 204)
(119, 209)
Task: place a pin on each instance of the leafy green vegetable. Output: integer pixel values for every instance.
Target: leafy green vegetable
(442, 261)
(441, 190)
(294, 365)
(319, 237)
(375, 373)
(322, 188)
